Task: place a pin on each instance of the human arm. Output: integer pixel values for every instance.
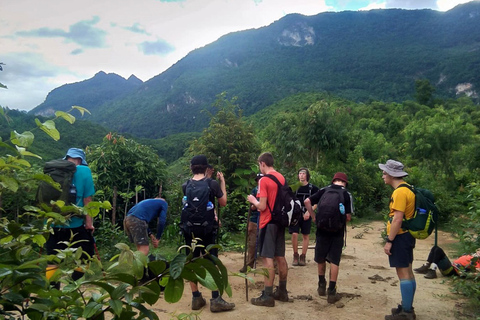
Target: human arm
(162, 219)
(308, 206)
(260, 204)
(88, 219)
(395, 227)
(222, 201)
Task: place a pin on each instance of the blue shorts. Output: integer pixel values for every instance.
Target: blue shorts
(402, 251)
(272, 241)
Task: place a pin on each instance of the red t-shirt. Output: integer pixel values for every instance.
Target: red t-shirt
(267, 188)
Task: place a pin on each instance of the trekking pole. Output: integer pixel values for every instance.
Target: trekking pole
(97, 253)
(256, 242)
(246, 249)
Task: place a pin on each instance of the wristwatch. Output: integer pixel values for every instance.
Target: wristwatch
(388, 240)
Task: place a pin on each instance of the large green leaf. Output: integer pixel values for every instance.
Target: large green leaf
(177, 264)
(213, 271)
(9, 183)
(81, 109)
(23, 140)
(174, 290)
(67, 116)
(49, 128)
(116, 306)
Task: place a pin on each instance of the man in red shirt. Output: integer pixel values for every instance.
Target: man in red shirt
(272, 236)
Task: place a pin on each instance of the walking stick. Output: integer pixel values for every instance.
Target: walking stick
(246, 249)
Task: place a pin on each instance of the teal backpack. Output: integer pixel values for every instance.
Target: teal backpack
(425, 217)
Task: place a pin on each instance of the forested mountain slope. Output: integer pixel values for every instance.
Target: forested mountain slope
(359, 56)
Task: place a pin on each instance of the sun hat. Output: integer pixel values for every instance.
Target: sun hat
(199, 160)
(393, 168)
(76, 153)
(340, 176)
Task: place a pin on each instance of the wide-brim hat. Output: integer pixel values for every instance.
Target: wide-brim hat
(76, 153)
(393, 168)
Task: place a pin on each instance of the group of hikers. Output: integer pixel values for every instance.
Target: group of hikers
(330, 207)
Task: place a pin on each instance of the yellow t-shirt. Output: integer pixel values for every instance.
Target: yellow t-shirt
(402, 200)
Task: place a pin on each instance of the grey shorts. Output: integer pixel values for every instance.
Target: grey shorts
(136, 230)
(272, 241)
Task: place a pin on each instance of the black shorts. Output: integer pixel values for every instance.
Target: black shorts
(328, 247)
(208, 239)
(402, 250)
(304, 225)
(64, 234)
(272, 241)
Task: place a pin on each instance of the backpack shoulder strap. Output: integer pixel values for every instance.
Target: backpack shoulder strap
(411, 187)
(271, 176)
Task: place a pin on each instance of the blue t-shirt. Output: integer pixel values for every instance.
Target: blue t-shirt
(150, 209)
(83, 181)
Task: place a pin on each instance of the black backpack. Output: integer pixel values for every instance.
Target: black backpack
(287, 210)
(329, 218)
(61, 172)
(197, 216)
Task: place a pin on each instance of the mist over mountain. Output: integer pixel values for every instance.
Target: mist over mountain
(361, 56)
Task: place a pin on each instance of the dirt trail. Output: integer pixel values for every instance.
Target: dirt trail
(369, 287)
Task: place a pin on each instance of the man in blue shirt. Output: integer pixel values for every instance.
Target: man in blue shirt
(80, 226)
(138, 218)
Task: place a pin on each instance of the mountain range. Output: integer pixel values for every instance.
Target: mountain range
(360, 56)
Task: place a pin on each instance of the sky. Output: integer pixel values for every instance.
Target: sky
(46, 44)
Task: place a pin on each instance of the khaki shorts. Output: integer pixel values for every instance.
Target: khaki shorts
(136, 230)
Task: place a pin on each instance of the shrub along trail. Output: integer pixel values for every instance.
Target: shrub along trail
(369, 287)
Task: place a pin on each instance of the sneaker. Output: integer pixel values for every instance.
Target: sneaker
(280, 295)
(219, 305)
(400, 309)
(423, 269)
(322, 288)
(332, 296)
(295, 259)
(198, 302)
(401, 315)
(263, 300)
(431, 274)
(302, 261)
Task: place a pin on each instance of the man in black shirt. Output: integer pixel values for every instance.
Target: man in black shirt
(329, 243)
(306, 190)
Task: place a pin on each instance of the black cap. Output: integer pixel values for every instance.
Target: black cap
(199, 160)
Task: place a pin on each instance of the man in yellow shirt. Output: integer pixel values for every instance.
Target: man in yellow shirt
(400, 243)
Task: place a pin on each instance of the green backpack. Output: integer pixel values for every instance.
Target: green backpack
(425, 217)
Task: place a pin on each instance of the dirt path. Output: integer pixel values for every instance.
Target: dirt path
(362, 298)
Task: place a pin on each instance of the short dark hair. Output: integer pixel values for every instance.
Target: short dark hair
(198, 168)
(267, 158)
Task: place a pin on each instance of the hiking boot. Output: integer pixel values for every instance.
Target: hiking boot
(431, 274)
(322, 288)
(263, 300)
(423, 269)
(401, 315)
(295, 259)
(399, 309)
(280, 295)
(198, 302)
(243, 270)
(302, 261)
(219, 305)
(332, 296)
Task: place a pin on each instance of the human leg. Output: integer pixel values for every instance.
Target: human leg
(401, 259)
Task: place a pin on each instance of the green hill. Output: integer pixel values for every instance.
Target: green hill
(360, 56)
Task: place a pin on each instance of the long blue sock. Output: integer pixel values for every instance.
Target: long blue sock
(407, 289)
